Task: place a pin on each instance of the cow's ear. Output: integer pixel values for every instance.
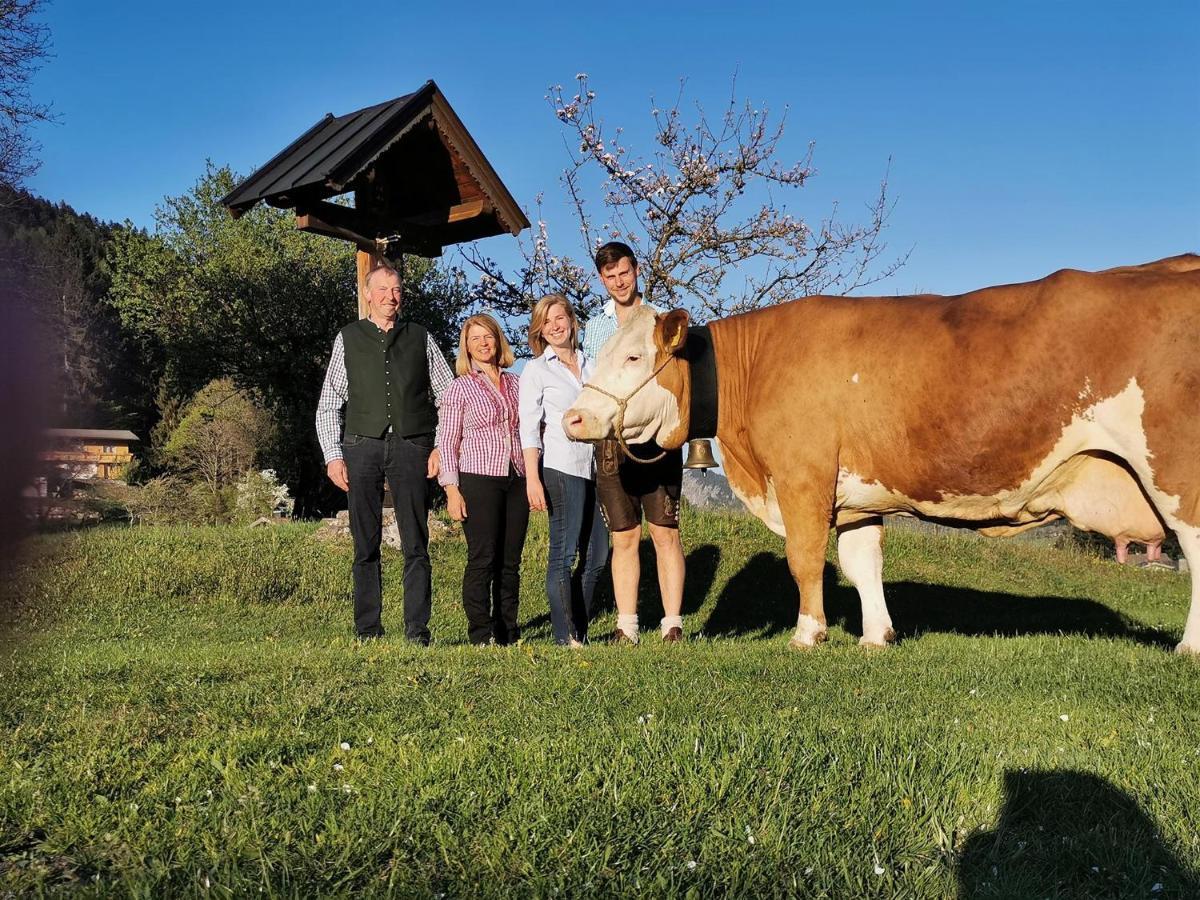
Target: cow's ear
(670, 332)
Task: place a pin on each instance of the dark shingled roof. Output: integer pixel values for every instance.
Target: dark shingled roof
(327, 157)
(417, 174)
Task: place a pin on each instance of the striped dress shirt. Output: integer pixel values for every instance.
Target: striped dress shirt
(477, 427)
(336, 392)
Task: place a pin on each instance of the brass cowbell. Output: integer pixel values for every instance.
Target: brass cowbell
(700, 455)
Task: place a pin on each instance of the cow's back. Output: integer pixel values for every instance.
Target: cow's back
(935, 397)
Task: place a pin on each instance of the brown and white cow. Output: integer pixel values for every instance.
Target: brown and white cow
(1070, 397)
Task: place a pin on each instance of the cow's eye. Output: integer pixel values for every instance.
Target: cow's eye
(633, 359)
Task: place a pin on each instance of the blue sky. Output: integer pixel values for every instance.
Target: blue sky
(1023, 137)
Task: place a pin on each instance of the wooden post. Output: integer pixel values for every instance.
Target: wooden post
(366, 262)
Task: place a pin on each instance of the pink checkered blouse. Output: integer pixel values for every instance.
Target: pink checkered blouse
(477, 427)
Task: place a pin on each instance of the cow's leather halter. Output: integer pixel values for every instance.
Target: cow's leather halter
(621, 402)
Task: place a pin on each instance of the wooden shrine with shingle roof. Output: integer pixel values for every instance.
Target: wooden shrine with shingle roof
(420, 182)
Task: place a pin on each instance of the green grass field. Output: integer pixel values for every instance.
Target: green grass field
(184, 713)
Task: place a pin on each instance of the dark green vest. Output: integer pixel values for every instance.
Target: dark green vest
(388, 374)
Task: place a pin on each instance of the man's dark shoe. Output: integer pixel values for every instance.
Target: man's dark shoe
(621, 638)
(369, 636)
(674, 635)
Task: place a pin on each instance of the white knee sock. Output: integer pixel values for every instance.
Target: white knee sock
(669, 622)
(629, 625)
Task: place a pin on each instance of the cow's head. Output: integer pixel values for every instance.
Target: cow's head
(642, 363)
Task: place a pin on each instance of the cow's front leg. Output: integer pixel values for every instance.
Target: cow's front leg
(860, 554)
(807, 538)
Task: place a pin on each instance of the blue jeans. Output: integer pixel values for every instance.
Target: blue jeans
(576, 529)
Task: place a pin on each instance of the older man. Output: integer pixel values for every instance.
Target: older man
(626, 489)
(386, 378)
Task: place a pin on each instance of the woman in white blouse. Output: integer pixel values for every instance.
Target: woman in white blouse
(560, 473)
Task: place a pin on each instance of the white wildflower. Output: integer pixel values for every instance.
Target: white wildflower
(338, 767)
(1065, 717)
(312, 788)
(879, 870)
(345, 745)
(691, 864)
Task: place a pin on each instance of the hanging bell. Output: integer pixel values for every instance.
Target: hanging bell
(700, 455)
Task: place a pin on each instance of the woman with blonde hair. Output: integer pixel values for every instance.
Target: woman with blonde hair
(561, 472)
(483, 472)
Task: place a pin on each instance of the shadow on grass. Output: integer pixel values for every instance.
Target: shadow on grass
(702, 565)
(1070, 834)
(761, 600)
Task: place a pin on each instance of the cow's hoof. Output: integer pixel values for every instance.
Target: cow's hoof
(879, 641)
(807, 641)
(1187, 649)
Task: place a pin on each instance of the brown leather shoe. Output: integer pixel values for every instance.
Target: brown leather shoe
(673, 636)
(620, 637)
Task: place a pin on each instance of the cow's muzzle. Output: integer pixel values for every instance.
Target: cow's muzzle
(581, 425)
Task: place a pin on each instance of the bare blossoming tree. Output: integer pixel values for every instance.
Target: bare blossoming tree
(542, 272)
(693, 210)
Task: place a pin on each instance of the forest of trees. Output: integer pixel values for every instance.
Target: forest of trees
(131, 325)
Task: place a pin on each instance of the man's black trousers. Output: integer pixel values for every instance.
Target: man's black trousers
(404, 463)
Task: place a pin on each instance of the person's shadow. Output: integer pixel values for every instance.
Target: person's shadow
(1071, 834)
(761, 600)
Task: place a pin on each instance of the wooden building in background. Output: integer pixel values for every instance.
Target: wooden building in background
(88, 453)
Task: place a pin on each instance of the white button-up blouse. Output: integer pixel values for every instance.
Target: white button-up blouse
(548, 389)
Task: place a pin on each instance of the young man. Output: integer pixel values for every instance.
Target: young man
(627, 490)
(389, 376)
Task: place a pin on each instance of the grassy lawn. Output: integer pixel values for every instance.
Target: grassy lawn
(184, 713)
